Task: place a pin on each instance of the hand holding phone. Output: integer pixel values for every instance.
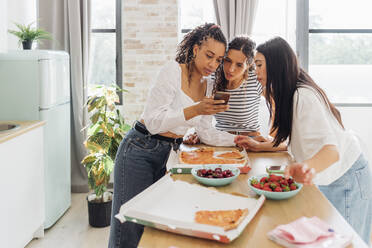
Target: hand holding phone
(220, 95)
(209, 106)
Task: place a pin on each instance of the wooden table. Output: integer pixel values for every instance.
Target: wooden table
(308, 202)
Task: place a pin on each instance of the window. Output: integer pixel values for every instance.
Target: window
(282, 21)
(275, 18)
(105, 43)
(194, 13)
(340, 49)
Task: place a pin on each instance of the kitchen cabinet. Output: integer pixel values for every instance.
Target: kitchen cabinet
(22, 184)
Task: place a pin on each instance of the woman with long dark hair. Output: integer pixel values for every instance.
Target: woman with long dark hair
(177, 101)
(324, 151)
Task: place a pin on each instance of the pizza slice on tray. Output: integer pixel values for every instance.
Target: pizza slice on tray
(227, 219)
(232, 155)
(206, 156)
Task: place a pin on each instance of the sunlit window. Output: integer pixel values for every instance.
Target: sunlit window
(105, 50)
(194, 13)
(340, 49)
(273, 18)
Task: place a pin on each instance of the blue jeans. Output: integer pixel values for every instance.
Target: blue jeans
(351, 195)
(140, 161)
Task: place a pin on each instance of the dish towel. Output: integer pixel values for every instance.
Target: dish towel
(308, 233)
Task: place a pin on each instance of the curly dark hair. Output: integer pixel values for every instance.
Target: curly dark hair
(240, 43)
(185, 51)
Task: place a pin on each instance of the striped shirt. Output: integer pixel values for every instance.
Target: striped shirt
(243, 110)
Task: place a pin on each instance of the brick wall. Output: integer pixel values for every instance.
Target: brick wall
(149, 40)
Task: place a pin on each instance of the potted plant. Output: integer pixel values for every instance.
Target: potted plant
(28, 34)
(104, 135)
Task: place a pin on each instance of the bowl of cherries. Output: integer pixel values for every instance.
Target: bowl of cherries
(215, 175)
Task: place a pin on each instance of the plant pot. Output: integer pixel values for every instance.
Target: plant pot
(27, 44)
(99, 213)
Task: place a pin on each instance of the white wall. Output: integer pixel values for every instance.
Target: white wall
(19, 11)
(3, 25)
(359, 120)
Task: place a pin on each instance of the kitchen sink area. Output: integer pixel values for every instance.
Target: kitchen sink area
(7, 127)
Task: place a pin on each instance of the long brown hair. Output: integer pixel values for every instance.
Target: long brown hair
(185, 51)
(284, 77)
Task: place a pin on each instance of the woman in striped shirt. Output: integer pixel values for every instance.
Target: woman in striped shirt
(237, 78)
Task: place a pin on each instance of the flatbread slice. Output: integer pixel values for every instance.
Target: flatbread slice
(227, 219)
(206, 156)
(232, 155)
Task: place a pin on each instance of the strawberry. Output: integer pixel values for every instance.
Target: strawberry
(283, 181)
(257, 185)
(278, 189)
(264, 180)
(275, 177)
(290, 181)
(286, 188)
(273, 185)
(267, 189)
(266, 185)
(293, 186)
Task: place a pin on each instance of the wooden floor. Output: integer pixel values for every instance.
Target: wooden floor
(73, 230)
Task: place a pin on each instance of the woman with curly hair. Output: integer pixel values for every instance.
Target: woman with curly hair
(177, 100)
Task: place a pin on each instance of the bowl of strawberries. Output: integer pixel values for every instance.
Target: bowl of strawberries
(215, 175)
(274, 186)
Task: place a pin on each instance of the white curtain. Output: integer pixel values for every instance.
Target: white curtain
(69, 23)
(235, 17)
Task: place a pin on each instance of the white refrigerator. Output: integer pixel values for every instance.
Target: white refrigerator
(35, 85)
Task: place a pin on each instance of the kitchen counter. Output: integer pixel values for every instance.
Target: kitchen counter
(24, 126)
(308, 202)
(22, 163)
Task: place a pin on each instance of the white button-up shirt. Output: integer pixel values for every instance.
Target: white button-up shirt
(313, 127)
(165, 104)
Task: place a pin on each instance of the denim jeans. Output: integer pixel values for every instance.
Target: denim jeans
(140, 161)
(351, 195)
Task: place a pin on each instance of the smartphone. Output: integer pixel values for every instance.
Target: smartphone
(276, 169)
(220, 95)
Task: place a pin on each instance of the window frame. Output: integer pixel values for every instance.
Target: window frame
(302, 41)
(119, 53)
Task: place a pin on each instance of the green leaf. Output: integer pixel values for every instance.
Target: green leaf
(91, 182)
(95, 117)
(89, 158)
(94, 103)
(109, 165)
(99, 142)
